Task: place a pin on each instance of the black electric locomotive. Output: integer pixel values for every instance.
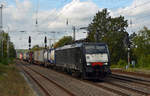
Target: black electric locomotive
(91, 60)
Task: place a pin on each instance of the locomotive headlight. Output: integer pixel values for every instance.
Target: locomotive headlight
(88, 64)
(105, 63)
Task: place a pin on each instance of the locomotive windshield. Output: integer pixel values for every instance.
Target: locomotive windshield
(96, 53)
(90, 49)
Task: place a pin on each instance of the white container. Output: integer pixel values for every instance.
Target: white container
(39, 56)
(24, 56)
(51, 56)
(45, 55)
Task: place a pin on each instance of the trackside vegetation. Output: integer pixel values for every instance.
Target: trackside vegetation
(4, 38)
(11, 82)
(4, 58)
(140, 48)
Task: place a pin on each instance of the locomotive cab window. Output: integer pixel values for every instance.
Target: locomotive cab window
(95, 49)
(96, 54)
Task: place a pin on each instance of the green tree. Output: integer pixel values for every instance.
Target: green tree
(36, 47)
(12, 51)
(141, 47)
(64, 40)
(4, 38)
(110, 30)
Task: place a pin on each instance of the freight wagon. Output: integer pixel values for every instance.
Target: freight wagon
(19, 56)
(49, 58)
(25, 56)
(39, 57)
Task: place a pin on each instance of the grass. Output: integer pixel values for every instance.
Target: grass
(117, 66)
(6, 61)
(12, 83)
(145, 70)
(139, 70)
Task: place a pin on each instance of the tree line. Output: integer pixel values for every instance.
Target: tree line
(4, 37)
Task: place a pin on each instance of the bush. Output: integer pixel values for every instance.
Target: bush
(6, 61)
(3, 69)
(144, 61)
(122, 63)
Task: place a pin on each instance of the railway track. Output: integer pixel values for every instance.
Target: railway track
(131, 73)
(109, 88)
(37, 82)
(99, 86)
(120, 86)
(125, 81)
(128, 91)
(91, 83)
(43, 78)
(131, 79)
(134, 90)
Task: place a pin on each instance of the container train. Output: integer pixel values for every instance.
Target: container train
(89, 60)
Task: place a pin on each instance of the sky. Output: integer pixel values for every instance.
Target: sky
(19, 17)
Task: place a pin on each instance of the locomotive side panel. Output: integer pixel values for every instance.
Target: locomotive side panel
(61, 57)
(69, 58)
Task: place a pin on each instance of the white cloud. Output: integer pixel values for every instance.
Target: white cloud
(79, 14)
(136, 8)
(138, 12)
(21, 17)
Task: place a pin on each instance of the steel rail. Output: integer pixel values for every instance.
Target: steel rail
(131, 79)
(65, 90)
(96, 85)
(127, 88)
(41, 87)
